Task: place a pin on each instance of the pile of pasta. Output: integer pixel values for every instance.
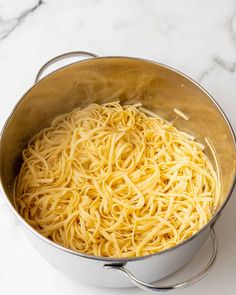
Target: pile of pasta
(115, 181)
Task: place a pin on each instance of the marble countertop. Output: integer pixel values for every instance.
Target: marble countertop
(196, 37)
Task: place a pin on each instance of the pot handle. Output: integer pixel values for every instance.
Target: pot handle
(188, 282)
(61, 57)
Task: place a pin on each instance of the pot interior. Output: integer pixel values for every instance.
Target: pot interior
(159, 89)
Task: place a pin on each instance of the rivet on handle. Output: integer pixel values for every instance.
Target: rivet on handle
(61, 57)
(188, 282)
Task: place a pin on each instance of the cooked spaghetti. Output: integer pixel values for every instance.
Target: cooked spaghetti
(115, 181)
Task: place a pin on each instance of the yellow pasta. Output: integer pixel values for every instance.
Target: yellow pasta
(115, 181)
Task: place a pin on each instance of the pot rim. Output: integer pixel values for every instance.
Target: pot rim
(111, 259)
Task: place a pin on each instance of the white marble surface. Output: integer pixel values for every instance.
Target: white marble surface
(196, 37)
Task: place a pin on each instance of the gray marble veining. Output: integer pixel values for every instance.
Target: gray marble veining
(9, 25)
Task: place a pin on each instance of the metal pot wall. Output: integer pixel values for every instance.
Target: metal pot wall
(160, 89)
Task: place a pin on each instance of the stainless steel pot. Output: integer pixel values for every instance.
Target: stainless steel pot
(160, 89)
